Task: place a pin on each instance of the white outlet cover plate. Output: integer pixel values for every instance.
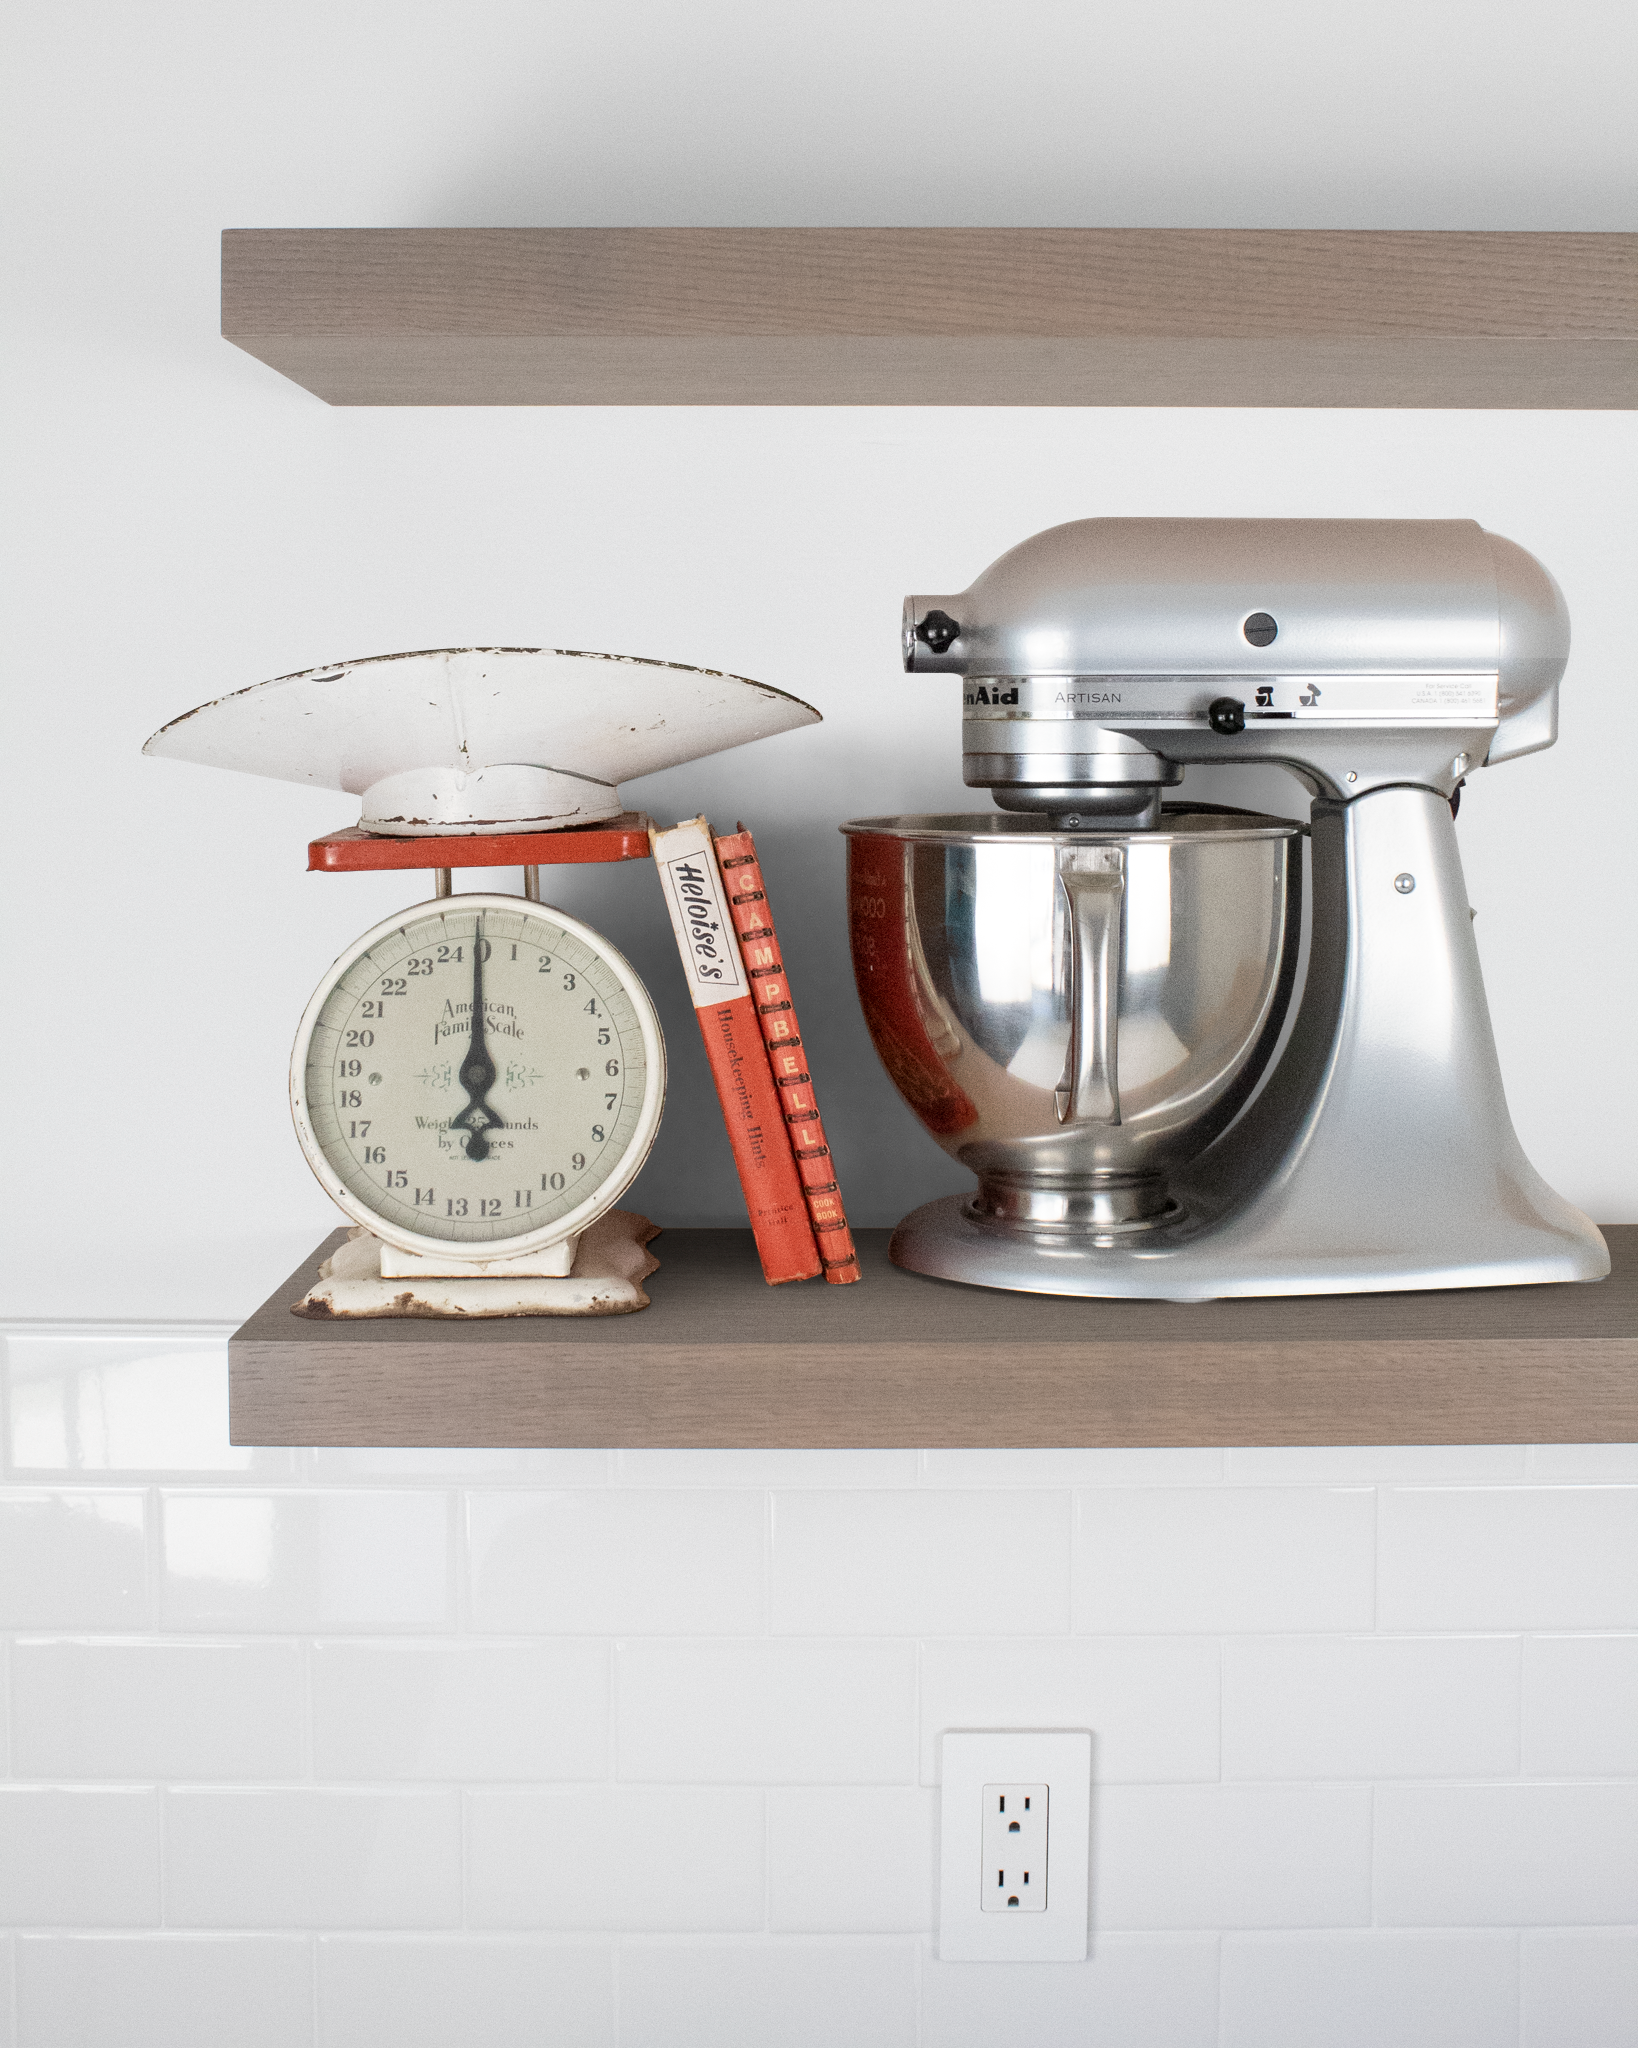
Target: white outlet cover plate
(971, 1758)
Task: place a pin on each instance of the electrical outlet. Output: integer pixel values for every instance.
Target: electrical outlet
(1015, 1845)
(1015, 1849)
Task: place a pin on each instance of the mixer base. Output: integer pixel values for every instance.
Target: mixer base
(1197, 1261)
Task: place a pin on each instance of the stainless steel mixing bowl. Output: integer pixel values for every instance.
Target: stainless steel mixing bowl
(1074, 1015)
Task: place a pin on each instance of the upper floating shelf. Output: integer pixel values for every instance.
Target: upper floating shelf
(938, 316)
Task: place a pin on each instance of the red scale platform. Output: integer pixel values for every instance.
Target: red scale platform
(352, 851)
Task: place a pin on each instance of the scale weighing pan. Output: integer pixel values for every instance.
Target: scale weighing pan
(456, 740)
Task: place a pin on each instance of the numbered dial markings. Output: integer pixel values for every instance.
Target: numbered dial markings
(479, 1073)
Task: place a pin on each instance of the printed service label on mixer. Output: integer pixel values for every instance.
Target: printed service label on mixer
(1131, 700)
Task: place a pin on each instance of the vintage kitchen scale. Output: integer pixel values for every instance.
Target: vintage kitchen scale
(1088, 998)
(478, 1080)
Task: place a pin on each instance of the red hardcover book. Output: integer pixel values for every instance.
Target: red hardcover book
(765, 969)
(726, 1010)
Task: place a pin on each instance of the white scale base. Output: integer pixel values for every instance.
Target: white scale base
(600, 1274)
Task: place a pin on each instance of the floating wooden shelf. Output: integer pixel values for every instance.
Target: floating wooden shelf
(721, 1359)
(937, 316)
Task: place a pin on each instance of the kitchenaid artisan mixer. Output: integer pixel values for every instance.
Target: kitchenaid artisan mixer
(1087, 997)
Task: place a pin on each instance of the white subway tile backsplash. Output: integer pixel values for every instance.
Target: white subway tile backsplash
(1581, 1706)
(1580, 1988)
(1528, 1557)
(745, 1713)
(1223, 1559)
(156, 1710)
(348, 1465)
(851, 1860)
(1584, 1464)
(859, 1564)
(312, 1859)
(1298, 1707)
(1373, 1464)
(72, 1858)
(1134, 1991)
(765, 1469)
(616, 1857)
(464, 1991)
(291, 1561)
(608, 1563)
(1506, 1855)
(793, 1994)
(164, 1991)
(1370, 1991)
(639, 1749)
(144, 1404)
(1090, 1466)
(1204, 1856)
(1151, 1702)
(461, 1710)
(72, 1560)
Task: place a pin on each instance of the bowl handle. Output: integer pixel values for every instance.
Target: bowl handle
(1089, 1092)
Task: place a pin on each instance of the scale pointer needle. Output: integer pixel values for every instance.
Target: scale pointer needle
(477, 1074)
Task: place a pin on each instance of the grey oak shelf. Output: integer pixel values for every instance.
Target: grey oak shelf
(722, 1360)
(938, 316)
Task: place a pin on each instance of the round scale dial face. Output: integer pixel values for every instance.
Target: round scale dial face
(482, 1072)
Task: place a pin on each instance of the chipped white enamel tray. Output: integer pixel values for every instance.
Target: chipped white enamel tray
(480, 739)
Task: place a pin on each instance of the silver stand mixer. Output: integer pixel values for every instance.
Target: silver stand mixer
(1087, 996)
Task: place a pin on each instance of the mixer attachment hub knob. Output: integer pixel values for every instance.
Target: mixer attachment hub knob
(1227, 715)
(938, 631)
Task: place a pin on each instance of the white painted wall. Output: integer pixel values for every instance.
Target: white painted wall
(315, 1748)
(185, 522)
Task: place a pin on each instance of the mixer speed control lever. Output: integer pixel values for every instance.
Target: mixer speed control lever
(1226, 715)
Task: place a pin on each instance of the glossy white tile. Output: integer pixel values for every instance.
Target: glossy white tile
(312, 1859)
(460, 1709)
(1369, 1989)
(1205, 1856)
(933, 1563)
(795, 1994)
(1506, 1855)
(1527, 1557)
(404, 1992)
(1151, 1702)
(1586, 1464)
(352, 1465)
(1091, 1466)
(1223, 1559)
(764, 1469)
(164, 1991)
(608, 1563)
(1133, 1991)
(1580, 1988)
(752, 1712)
(73, 1858)
(615, 1857)
(73, 1560)
(1581, 1706)
(156, 1710)
(125, 1404)
(851, 1859)
(1374, 1464)
(296, 1561)
(1302, 1707)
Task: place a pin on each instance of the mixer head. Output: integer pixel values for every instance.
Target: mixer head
(1102, 656)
